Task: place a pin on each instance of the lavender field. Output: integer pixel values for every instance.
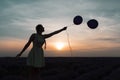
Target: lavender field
(64, 68)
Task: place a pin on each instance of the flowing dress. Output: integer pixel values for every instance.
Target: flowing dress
(36, 54)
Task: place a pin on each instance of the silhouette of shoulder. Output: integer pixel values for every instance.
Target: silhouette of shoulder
(32, 36)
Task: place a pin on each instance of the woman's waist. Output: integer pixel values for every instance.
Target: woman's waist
(37, 47)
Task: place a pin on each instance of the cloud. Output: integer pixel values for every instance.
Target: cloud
(29, 13)
(110, 39)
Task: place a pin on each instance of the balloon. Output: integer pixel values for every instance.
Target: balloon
(92, 23)
(77, 20)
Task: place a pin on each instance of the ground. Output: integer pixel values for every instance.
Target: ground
(64, 68)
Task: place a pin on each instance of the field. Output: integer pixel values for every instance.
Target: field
(64, 68)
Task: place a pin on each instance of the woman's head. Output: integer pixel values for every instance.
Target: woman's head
(39, 28)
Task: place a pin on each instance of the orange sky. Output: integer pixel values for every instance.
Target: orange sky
(16, 45)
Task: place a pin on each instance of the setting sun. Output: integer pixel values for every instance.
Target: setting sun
(59, 45)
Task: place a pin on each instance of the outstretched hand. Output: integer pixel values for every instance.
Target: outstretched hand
(18, 55)
(65, 28)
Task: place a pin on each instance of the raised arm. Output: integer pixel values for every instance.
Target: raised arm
(55, 32)
(27, 45)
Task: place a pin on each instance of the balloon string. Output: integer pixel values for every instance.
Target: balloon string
(69, 42)
(70, 25)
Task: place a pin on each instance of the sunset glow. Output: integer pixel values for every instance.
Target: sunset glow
(59, 45)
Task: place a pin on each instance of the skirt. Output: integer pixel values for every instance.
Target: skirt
(36, 58)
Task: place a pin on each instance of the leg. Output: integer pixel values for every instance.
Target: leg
(30, 73)
(34, 73)
(37, 74)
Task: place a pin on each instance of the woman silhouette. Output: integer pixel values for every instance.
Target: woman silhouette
(35, 59)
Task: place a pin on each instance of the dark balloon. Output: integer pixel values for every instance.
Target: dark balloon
(92, 23)
(77, 20)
